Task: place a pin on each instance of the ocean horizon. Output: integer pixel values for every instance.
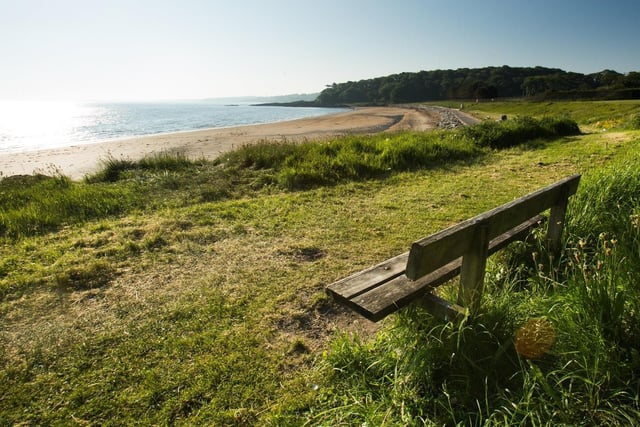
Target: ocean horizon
(31, 126)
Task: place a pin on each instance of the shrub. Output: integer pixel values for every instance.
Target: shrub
(557, 127)
(509, 133)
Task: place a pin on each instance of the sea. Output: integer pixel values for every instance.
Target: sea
(28, 125)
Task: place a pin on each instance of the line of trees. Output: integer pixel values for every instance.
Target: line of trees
(482, 83)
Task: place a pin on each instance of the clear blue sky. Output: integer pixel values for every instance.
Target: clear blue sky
(157, 49)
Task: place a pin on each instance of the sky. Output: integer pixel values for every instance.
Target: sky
(126, 50)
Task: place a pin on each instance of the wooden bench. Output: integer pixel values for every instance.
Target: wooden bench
(459, 250)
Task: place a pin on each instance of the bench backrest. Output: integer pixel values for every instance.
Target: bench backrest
(459, 250)
(470, 239)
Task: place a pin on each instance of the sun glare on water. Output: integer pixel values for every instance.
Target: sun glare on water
(33, 125)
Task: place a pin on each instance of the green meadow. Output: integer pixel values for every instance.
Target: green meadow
(176, 291)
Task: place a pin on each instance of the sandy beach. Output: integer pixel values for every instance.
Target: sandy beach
(80, 160)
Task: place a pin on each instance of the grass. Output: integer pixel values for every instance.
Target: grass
(200, 301)
(500, 368)
(592, 116)
(39, 204)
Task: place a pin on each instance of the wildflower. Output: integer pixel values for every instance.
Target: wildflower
(582, 243)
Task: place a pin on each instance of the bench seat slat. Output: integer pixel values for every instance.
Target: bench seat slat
(395, 294)
(370, 278)
(384, 288)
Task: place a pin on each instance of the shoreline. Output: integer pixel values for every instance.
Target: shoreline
(77, 161)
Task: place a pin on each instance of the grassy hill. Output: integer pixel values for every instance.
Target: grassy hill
(176, 291)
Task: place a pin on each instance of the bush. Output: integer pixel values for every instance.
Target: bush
(557, 127)
(509, 133)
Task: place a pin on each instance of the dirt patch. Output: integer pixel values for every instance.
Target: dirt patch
(304, 254)
(417, 119)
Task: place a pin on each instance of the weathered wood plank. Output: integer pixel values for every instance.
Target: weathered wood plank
(474, 262)
(391, 296)
(556, 224)
(370, 278)
(377, 299)
(518, 233)
(443, 247)
(461, 249)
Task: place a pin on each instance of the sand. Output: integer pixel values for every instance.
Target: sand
(79, 160)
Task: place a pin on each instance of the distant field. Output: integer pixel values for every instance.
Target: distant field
(592, 115)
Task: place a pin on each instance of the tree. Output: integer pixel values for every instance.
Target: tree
(632, 80)
(488, 82)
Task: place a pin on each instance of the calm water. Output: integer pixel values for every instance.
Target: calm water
(27, 126)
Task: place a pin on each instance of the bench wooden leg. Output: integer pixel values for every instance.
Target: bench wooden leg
(556, 222)
(443, 309)
(472, 270)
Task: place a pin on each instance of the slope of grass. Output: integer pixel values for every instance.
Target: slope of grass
(555, 344)
(201, 300)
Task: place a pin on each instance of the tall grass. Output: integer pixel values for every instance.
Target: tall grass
(557, 346)
(509, 133)
(37, 204)
(350, 158)
(311, 164)
(612, 203)
(354, 158)
(115, 169)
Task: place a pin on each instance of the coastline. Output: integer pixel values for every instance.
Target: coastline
(79, 160)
